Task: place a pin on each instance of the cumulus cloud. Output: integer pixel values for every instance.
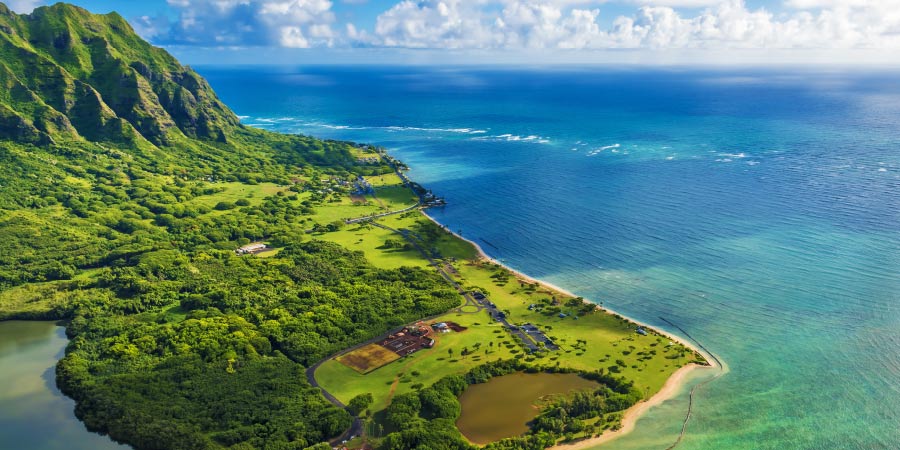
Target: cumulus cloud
(522, 24)
(533, 24)
(284, 23)
(24, 6)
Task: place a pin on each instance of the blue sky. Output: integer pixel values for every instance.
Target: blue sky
(697, 31)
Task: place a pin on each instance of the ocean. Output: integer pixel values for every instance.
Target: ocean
(757, 209)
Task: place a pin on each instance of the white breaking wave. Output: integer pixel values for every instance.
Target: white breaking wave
(342, 127)
(354, 127)
(513, 138)
(447, 130)
(597, 151)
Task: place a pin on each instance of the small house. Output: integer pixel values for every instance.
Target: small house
(251, 248)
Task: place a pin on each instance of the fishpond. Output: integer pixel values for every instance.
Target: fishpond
(503, 406)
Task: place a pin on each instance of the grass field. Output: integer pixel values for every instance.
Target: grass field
(368, 239)
(425, 366)
(368, 358)
(390, 179)
(395, 197)
(234, 191)
(345, 209)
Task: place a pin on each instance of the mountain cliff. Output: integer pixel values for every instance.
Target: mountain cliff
(67, 74)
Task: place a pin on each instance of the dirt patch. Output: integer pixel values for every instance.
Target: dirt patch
(456, 327)
(368, 358)
(358, 199)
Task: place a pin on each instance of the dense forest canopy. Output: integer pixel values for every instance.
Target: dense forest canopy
(116, 171)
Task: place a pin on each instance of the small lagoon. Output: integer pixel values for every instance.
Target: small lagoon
(34, 415)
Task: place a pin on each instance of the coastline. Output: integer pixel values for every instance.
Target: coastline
(632, 414)
(630, 417)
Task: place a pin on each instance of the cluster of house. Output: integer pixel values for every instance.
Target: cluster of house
(409, 340)
(367, 160)
(362, 187)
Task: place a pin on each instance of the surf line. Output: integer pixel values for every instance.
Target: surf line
(687, 416)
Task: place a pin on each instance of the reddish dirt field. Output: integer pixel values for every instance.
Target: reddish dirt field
(368, 358)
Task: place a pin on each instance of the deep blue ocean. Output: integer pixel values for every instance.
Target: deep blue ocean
(757, 209)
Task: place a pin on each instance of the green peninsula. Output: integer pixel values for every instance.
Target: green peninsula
(208, 272)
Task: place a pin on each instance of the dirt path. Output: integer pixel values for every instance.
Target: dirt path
(397, 379)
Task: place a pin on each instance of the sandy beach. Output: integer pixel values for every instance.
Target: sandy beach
(629, 419)
(631, 415)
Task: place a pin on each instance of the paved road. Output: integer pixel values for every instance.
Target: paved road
(500, 316)
(384, 214)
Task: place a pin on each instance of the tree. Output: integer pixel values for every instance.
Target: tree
(359, 403)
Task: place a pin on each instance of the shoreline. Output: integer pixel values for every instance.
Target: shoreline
(709, 359)
(632, 414)
(629, 419)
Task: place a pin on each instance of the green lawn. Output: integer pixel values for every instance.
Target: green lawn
(343, 210)
(234, 191)
(390, 179)
(395, 197)
(368, 239)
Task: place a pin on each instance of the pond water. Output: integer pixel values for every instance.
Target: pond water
(34, 415)
(503, 406)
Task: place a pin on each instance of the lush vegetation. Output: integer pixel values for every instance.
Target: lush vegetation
(125, 187)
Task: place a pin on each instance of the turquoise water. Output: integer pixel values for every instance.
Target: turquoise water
(759, 210)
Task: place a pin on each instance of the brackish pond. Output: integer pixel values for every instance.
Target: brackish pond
(503, 406)
(34, 415)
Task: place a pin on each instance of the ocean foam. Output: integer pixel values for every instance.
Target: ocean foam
(513, 138)
(597, 151)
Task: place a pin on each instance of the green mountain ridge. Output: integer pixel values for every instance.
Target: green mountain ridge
(125, 187)
(69, 75)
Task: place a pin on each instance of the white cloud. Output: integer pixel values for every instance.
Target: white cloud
(528, 24)
(24, 6)
(534, 24)
(677, 3)
(285, 23)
